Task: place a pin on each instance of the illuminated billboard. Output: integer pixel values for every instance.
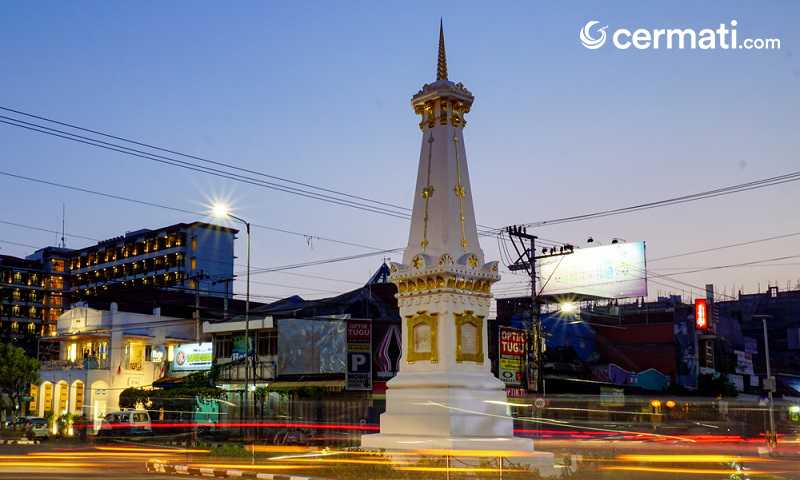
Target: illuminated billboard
(701, 314)
(192, 357)
(609, 271)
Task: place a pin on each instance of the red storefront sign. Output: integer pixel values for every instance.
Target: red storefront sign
(701, 314)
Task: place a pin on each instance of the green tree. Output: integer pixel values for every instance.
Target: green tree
(17, 372)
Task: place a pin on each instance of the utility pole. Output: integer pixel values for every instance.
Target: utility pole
(196, 278)
(526, 260)
(769, 386)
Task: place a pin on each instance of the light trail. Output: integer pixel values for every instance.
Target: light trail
(248, 466)
(658, 458)
(156, 450)
(688, 471)
(460, 469)
(552, 422)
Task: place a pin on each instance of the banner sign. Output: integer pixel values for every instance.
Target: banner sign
(239, 350)
(358, 375)
(516, 392)
(192, 356)
(513, 350)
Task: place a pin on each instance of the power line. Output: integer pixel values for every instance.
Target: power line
(42, 229)
(742, 187)
(723, 247)
(18, 244)
(176, 209)
(732, 265)
(35, 127)
(193, 166)
(202, 159)
(323, 261)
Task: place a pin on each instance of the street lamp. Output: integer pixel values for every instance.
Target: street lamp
(568, 308)
(221, 211)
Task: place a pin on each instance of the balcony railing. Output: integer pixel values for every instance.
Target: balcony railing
(86, 363)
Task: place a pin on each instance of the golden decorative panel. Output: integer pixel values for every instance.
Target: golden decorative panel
(469, 337)
(423, 332)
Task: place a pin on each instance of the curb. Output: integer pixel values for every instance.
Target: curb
(20, 442)
(159, 467)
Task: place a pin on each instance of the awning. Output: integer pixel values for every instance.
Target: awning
(333, 385)
(169, 381)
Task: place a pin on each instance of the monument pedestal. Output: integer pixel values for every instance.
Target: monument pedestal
(439, 412)
(453, 410)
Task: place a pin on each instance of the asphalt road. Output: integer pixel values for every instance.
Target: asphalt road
(59, 461)
(604, 459)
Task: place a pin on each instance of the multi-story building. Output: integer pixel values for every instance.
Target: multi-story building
(33, 293)
(191, 256)
(779, 311)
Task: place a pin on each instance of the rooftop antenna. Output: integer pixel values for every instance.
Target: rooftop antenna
(63, 222)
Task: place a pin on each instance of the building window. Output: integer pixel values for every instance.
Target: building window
(148, 353)
(134, 353)
(267, 342)
(56, 282)
(194, 244)
(223, 346)
(194, 263)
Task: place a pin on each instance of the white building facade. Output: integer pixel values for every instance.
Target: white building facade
(100, 354)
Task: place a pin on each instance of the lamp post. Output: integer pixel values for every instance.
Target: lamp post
(221, 211)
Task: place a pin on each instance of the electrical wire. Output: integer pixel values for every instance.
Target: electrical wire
(193, 166)
(176, 209)
(195, 157)
(731, 189)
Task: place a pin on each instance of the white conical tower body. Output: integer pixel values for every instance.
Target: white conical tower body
(444, 395)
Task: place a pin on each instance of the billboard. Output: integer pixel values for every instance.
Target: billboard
(358, 375)
(309, 346)
(513, 349)
(700, 314)
(192, 357)
(609, 271)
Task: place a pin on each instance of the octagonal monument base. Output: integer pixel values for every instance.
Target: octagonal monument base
(453, 411)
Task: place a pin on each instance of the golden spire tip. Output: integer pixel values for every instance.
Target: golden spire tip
(441, 67)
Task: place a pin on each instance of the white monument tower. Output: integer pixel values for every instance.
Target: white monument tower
(444, 395)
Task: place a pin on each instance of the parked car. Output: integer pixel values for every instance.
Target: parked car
(125, 423)
(35, 427)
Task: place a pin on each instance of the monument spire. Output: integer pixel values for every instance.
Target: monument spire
(441, 67)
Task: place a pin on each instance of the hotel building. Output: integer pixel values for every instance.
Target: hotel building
(192, 257)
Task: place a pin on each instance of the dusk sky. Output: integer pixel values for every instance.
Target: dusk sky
(320, 93)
